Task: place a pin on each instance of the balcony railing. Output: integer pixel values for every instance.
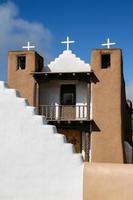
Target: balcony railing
(64, 112)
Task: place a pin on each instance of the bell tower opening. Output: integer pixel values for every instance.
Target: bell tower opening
(105, 61)
(21, 62)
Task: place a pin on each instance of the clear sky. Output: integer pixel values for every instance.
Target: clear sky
(87, 22)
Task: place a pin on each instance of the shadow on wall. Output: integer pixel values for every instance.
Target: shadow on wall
(94, 78)
(95, 127)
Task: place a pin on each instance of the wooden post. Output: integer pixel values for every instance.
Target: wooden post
(87, 146)
(36, 96)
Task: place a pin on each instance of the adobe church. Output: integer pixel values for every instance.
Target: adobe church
(86, 102)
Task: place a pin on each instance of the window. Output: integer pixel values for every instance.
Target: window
(105, 61)
(21, 62)
(68, 95)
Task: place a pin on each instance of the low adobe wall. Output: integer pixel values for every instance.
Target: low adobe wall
(108, 181)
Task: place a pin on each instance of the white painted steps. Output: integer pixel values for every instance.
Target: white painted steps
(35, 161)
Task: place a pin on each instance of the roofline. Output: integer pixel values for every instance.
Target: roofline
(85, 72)
(111, 49)
(24, 51)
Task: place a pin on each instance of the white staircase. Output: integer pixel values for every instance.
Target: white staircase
(35, 161)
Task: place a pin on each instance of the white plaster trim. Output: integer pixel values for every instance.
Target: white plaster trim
(68, 62)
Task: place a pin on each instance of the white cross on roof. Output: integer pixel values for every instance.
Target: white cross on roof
(68, 42)
(108, 44)
(28, 47)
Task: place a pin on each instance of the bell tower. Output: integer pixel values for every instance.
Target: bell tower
(107, 95)
(20, 66)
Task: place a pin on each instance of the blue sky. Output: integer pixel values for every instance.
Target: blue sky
(87, 22)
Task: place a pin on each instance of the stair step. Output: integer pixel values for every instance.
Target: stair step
(23, 101)
(40, 119)
(54, 129)
(33, 110)
(70, 147)
(78, 157)
(3, 85)
(61, 137)
(12, 92)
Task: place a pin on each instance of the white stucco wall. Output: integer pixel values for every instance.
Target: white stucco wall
(50, 92)
(35, 163)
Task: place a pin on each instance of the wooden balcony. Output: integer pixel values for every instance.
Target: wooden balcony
(65, 112)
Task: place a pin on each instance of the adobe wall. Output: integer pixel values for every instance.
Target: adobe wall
(22, 80)
(106, 97)
(108, 181)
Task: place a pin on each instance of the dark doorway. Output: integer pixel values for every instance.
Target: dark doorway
(68, 94)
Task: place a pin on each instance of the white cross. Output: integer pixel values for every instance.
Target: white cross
(68, 42)
(28, 47)
(108, 44)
